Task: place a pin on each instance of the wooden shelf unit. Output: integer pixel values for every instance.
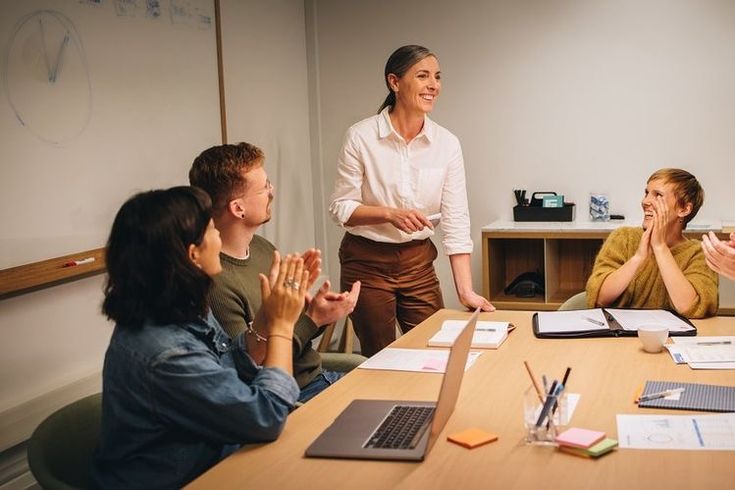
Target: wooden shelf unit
(564, 259)
(563, 253)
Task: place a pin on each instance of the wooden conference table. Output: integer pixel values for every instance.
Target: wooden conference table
(606, 372)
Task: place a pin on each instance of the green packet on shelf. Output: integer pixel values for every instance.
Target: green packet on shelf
(602, 447)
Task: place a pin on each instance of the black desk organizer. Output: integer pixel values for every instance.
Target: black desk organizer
(538, 213)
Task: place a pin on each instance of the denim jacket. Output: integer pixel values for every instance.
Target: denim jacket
(178, 398)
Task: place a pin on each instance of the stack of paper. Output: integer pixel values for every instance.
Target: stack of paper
(704, 352)
(488, 335)
(585, 443)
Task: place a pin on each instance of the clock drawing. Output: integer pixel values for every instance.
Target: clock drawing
(46, 77)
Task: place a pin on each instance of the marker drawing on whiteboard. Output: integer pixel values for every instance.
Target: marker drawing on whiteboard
(73, 263)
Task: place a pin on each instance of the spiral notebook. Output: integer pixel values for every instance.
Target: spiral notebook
(696, 396)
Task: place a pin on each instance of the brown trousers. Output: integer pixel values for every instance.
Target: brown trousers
(398, 283)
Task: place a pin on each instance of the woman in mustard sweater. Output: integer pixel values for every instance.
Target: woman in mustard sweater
(656, 266)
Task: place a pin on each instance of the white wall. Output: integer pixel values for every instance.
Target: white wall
(571, 96)
(264, 51)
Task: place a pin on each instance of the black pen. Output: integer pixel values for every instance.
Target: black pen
(716, 342)
(564, 384)
(566, 377)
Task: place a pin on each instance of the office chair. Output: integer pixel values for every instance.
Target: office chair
(576, 302)
(60, 449)
(344, 360)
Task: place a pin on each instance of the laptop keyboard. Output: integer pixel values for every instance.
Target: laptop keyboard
(402, 428)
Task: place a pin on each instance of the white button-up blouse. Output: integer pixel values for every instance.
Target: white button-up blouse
(378, 168)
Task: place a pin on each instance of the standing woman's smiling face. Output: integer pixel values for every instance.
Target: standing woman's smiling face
(419, 87)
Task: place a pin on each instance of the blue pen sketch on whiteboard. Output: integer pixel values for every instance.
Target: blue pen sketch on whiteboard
(153, 9)
(204, 21)
(126, 8)
(184, 12)
(181, 12)
(46, 77)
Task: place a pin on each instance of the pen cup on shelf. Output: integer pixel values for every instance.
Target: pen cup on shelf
(543, 434)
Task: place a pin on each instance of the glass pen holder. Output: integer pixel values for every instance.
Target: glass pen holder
(553, 423)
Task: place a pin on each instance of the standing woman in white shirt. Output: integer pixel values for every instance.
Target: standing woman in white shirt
(396, 170)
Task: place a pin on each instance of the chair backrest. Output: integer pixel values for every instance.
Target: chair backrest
(576, 302)
(346, 338)
(60, 449)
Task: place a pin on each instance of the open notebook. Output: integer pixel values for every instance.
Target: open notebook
(606, 322)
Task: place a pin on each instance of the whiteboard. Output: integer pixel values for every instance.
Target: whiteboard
(98, 100)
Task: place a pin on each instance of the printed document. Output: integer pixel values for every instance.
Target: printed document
(714, 352)
(690, 432)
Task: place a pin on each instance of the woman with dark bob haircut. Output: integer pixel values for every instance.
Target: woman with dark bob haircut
(179, 394)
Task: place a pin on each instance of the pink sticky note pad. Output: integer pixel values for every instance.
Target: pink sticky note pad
(438, 365)
(576, 437)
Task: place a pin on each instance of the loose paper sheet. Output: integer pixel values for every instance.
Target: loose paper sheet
(417, 360)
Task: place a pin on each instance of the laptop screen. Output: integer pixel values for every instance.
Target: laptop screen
(452, 380)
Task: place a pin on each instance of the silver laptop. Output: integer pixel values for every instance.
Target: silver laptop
(396, 429)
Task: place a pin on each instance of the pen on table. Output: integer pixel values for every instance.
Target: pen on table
(715, 342)
(73, 263)
(660, 394)
(592, 320)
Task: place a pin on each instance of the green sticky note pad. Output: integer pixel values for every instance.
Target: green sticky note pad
(602, 447)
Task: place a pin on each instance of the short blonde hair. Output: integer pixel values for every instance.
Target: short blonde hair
(686, 186)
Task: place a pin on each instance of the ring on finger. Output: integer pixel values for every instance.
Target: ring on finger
(295, 284)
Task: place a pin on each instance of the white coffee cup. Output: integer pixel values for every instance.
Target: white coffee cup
(653, 337)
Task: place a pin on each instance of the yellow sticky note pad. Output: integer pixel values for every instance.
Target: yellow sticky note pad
(472, 438)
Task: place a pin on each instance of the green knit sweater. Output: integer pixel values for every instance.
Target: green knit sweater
(235, 297)
(647, 289)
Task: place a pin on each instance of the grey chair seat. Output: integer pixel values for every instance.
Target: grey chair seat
(60, 449)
